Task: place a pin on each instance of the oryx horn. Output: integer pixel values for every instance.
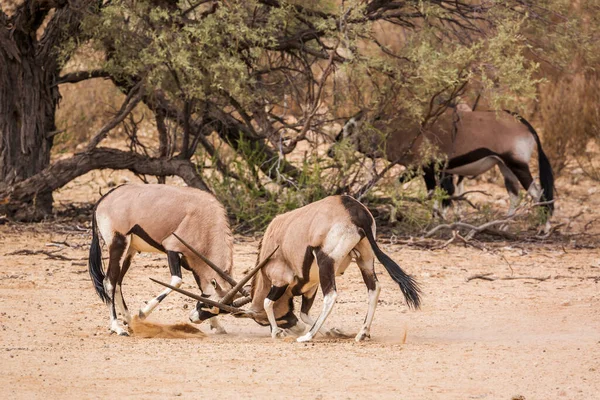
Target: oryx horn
(218, 270)
(229, 296)
(204, 300)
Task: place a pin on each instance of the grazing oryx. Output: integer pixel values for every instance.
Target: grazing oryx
(470, 142)
(308, 247)
(136, 218)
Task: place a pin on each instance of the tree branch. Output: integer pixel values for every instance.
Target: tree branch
(79, 76)
(62, 172)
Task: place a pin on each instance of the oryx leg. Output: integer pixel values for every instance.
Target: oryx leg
(327, 278)
(366, 263)
(274, 294)
(117, 247)
(431, 183)
(175, 269)
(512, 187)
(338, 244)
(460, 185)
(308, 299)
(120, 305)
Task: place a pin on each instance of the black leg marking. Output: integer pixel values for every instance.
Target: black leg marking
(174, 263)
(138, 231)
(520, 169)
(307, 302)
(429, 177)
(289, 320)
(511, 186)
(276, 292)
(185, 264)
(309, 258)
(124, 269)
(326, 272)
(447, 184)
(370, 278)
(116, 250)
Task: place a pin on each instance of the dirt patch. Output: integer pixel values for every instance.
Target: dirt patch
(479, 339)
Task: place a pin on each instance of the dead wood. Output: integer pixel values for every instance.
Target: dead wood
(489, 277)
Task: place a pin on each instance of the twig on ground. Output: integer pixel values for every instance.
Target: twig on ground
(49, 254)
(489, 277)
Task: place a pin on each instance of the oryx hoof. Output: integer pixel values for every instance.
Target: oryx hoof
(362, 336)
(336, 333)
(124, 333)
(278, 333)
(142, 315)
(306, 338)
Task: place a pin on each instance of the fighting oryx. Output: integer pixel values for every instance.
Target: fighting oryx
(469, 143)
(146, 218)
(306, 248)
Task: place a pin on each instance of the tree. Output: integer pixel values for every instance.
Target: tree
(263, 75)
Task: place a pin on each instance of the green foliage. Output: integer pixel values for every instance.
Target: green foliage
(268, 73)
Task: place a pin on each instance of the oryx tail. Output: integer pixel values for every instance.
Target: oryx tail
(363, 219)
(95, 262)
(409, 287)
(546, 174)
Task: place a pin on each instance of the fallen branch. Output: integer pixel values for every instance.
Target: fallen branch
(50, 255)
(489, 277)
(474, 229)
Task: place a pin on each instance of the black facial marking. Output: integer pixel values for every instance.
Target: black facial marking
(138, 231)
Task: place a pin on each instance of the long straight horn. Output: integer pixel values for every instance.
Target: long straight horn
(218, 270)
(229, 296)
(204, 300)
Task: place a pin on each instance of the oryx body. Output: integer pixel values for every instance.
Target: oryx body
(469, 143)
(316, 243)
(142, 218)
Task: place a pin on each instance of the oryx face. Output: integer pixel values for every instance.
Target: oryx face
(360, 138)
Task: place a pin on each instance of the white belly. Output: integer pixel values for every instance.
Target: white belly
(477, 167)
(138, 244)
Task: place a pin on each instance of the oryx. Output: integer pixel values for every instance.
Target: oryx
(468, 143)
(306, 248)
(145, 218)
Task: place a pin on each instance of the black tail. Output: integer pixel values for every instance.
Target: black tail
(409, 287)
(546, 174)
(95, 262)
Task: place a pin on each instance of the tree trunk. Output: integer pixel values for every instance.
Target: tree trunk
(27, 118)
(64, 171)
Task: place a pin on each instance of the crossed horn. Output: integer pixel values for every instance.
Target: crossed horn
(237, 286)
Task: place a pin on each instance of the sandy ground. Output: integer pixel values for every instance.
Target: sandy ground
(472, 340)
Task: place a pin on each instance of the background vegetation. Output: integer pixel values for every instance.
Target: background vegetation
(244, 98)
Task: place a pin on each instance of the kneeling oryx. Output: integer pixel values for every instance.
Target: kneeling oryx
(306, 248)
(146, 218)
(470, 143)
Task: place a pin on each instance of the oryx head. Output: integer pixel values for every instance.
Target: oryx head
(360, 136)
(208, 305)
